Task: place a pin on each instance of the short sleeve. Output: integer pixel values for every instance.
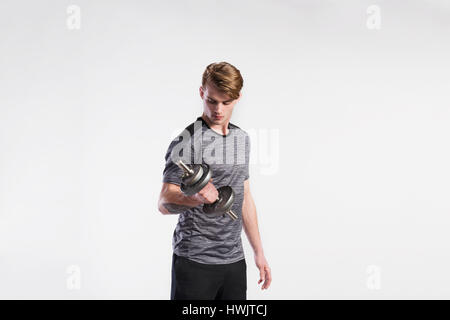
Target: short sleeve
(247, 157)
(172, 173)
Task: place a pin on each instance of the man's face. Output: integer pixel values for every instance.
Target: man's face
(217, 106)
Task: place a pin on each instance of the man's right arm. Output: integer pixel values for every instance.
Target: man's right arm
(173, 201)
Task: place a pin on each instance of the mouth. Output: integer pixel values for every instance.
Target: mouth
(216, 117)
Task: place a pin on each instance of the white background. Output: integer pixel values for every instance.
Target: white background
(355, 203)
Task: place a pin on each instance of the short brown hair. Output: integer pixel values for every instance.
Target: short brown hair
(226, 77)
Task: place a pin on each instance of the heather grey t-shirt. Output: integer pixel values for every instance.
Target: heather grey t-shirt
(197, 236)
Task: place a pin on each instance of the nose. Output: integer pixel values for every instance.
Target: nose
(218, 108)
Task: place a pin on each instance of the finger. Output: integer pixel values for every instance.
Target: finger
(265, 279)
(267, 283)
(262, 275)
(268, 278)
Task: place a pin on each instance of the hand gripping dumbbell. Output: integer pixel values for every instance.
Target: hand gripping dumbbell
(195, 178)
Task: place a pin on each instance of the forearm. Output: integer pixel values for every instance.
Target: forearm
(250, 224)
(173, 201)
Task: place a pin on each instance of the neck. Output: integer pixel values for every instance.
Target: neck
(219, 128)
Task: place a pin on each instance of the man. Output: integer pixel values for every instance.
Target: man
(208, 261)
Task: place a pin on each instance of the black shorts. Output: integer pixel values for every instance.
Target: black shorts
(198, 281)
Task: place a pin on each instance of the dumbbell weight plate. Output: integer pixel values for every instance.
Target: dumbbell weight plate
(218, 208)
(191, 189)
(191, 179)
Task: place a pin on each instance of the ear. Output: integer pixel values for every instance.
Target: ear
(200, 90)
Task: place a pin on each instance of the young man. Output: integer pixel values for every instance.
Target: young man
(208, 260)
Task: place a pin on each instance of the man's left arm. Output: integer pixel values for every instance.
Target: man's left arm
(250, 224)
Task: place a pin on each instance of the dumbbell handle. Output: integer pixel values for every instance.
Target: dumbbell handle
(232, 214)
(183, 166)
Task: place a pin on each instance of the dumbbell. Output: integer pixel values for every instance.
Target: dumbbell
(195, 178)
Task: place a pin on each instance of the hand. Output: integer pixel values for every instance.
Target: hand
(208, 194)
(265, 274)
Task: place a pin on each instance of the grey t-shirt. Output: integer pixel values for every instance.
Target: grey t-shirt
(197, 236)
